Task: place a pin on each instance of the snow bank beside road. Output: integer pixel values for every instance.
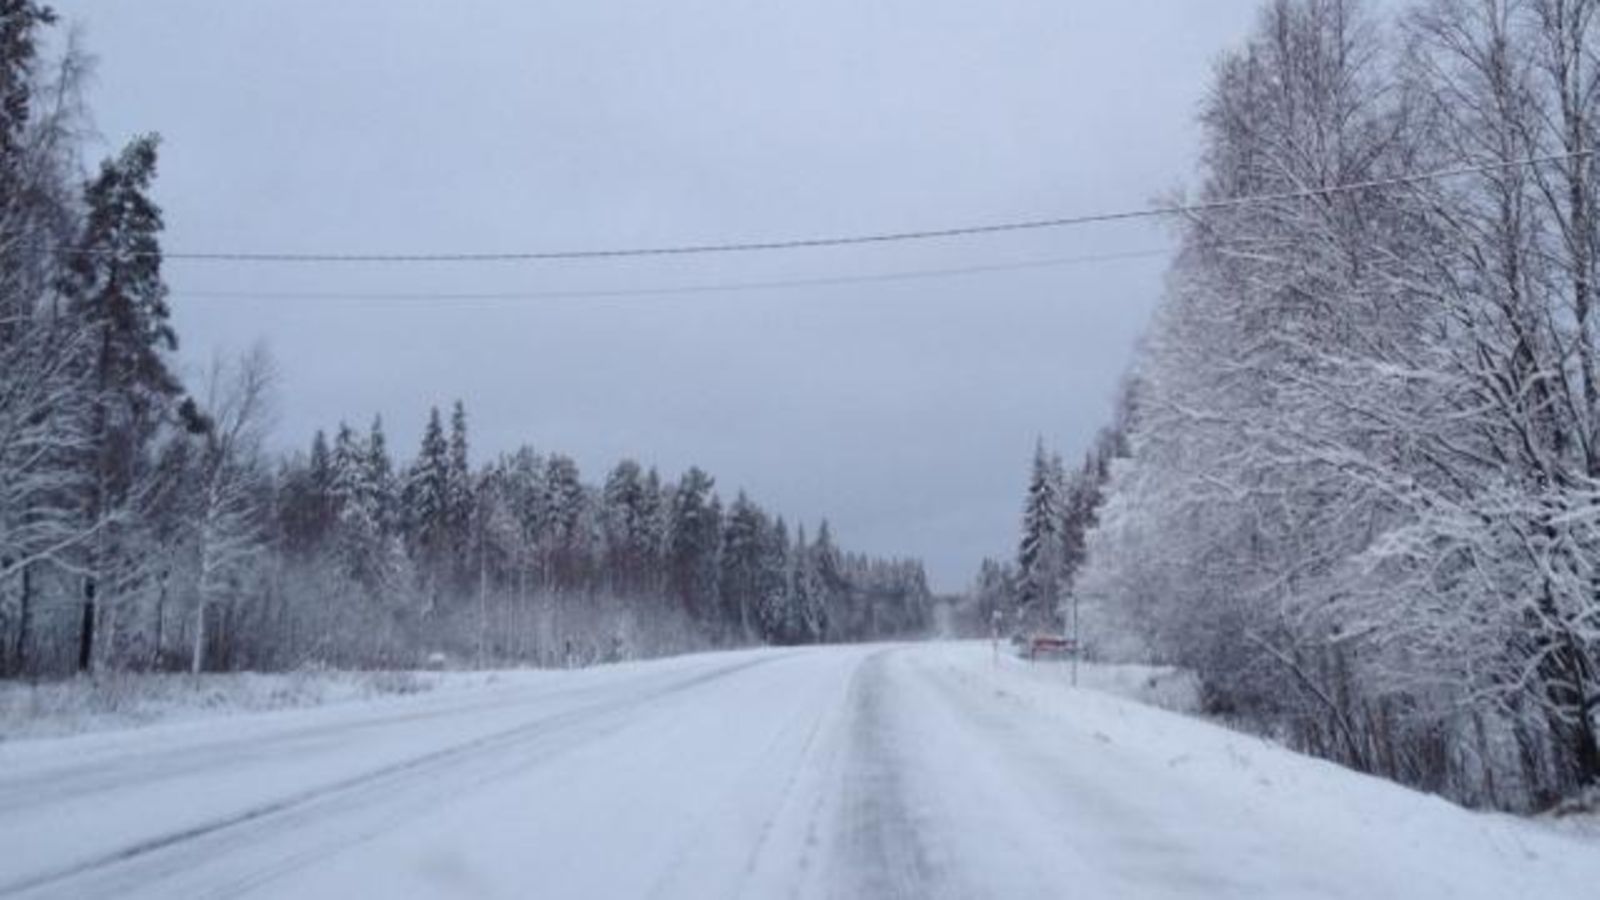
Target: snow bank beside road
(118, 702)
(79, 705)
(1167, 687)
(1245, 810)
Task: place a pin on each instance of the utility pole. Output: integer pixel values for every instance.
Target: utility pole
(994, 635)
(483, 590)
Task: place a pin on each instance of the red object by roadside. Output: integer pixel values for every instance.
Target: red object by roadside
(1049, 644)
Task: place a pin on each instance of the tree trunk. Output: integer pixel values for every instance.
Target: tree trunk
(24, 620)
(161, 623)
(198, 652)
(86, 631)
(483, 601)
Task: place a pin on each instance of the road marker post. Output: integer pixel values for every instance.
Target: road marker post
(1077, 640)
(994, 636)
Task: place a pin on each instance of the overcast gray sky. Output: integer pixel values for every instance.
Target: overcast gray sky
(906, 412)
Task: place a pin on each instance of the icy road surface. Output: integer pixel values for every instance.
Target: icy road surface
(875, 772)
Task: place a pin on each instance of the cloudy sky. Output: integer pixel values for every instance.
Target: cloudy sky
(905, 411)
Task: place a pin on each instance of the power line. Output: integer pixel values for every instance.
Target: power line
(677, 290)
(887, 237)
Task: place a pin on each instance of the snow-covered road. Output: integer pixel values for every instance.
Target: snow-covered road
(920, 771)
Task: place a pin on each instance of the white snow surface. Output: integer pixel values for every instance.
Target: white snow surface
(887, 771)
(77, 705)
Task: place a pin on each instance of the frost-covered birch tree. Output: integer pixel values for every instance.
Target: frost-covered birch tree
(230, 524)
(1360, 491)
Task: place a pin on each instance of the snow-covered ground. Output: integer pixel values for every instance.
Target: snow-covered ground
(56, 708)
(919, 771)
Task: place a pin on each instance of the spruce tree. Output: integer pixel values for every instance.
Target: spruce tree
(427, 506)
(562, 516)
(20, 21)
(625, 519)
(459, 501)
(20, 209)
(380, 478)
(773, 597)
(834, 593)
(742, 560)
(319, 470)
(358, 542)
(1039, 553)
(693, 536)
(656, 513)
(304, 486)
(803, 616)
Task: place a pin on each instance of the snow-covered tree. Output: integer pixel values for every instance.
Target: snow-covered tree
(742, 560)
(563, 522)
(1360, 495)
(772, 607)
(380, 479)
(113, 284)
(427, 502)
(458, 482)
(626, 523)
(359, 541)
(693, 536)
(230, 529)
(1040, 553)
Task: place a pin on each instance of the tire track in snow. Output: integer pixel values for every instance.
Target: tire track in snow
(757, 820)
(807, 766)
(101, 774)
(884, 853)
